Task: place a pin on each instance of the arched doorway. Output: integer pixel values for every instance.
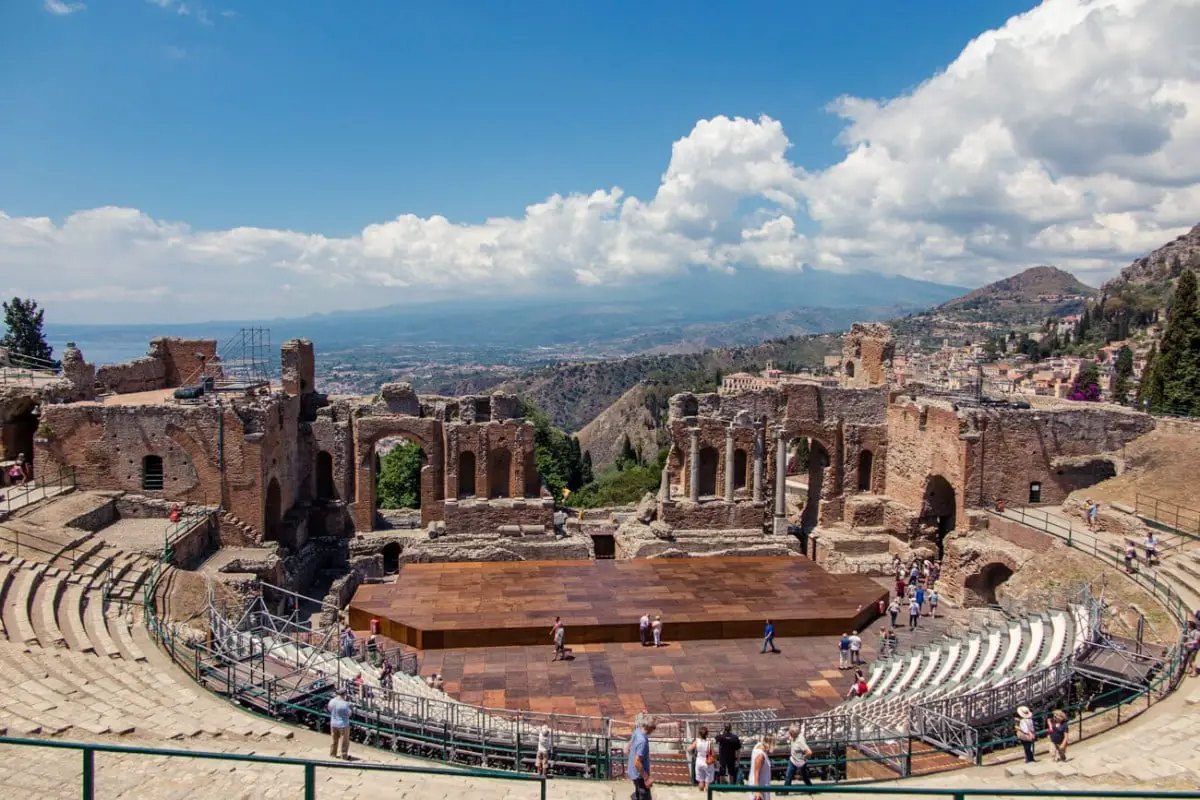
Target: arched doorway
(398, 466)
(708, 471)
(272, 512)
(981, 587)
(849, 369)
(939, 509)
(739, 469)
(391, 557)
(466, 474)
(499, 472)
(325, 486)
(818, 462)
(866, 461)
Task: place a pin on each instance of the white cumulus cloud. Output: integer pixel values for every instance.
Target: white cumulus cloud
(1070, 136)
(61, 8)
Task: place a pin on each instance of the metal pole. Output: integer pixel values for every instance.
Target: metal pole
(310, 782)
(89, 774)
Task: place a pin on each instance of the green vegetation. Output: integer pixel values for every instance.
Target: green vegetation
(1172, 379)
(622, 484)
(1124, 371)
(560, 463)
(23, 319)
(398, 484)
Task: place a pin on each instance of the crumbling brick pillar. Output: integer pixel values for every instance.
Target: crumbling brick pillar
(758, 463)
(694, 465)
(780, 473)
(729, 460)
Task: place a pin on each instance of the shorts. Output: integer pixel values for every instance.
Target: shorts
(542, 756)
(705, 773)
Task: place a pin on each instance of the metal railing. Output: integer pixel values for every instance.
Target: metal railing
(956, 794)
(19, 368)
(39, 488)
(309, 766)
(1181, 519)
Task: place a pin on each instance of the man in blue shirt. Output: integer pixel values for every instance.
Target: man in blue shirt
(638, 767)
(769, 638)
(339, 725)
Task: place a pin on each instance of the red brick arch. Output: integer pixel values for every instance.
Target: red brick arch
(427, 434)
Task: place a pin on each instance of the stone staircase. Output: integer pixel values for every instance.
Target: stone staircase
(234, 521)
(72, 664)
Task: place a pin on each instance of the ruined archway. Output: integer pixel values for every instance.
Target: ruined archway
(399, 467)
(739, 469)
(466, 474)
(499, 472)
(980, 587)
(939, 509)
(326, 489)
(866, 462)
(18, 432)
(818, 462)
(272, 512)
(420, 431)
(708, 471)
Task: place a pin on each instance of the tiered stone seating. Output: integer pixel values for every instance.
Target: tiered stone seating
(956, 666)
(69, 664)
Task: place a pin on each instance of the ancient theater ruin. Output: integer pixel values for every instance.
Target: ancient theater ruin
(217, 491)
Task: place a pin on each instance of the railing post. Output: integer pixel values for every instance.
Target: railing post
(310, 782)
(89, 773)
(543, 788)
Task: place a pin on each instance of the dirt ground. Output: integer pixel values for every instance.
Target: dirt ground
(1046, 579)
(1162, 464)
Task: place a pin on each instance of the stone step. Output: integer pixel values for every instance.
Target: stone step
(45, 605)
(96, 627)
(121, 634)
(17, 622)
(6, 576)
(70, 619)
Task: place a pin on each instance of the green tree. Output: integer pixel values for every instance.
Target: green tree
(23, 320)
(1150, 386)
(1177, 365)
(398, 484)
(588, 473)
(1124, 371)
(628, 456)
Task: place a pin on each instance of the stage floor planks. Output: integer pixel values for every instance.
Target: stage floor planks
(495, 604)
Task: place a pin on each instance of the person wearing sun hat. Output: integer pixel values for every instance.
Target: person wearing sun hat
(1026, 733)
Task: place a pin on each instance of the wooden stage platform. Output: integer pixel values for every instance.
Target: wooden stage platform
(495, 604)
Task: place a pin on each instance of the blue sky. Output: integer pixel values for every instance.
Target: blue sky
(154, 149)
(324, 116)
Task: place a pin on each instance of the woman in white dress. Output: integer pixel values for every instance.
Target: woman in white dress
(760, 765)
(705, 752)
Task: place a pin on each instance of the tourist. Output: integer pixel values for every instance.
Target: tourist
(914, 614)
(349, 642)
(638, 767)
(1191, 643)
(919, 598)
(1058, 729)
(704, 751)
(1151, 546)
(935, 572)
(798, 756)
(855, 648)
(559, 634)
(1026, 733)
(373, 650)
(16, 475)
(894, 610)
(844, 651)
(999, 504)
(760, 765)
(339, 725)
(892, 640)
(1130, 558)
(883, 643)
(933, 603)
(728, 747)
(859, 688)
(896, 564)
(542, 761)
(645, 627)
(1094, 516)
(769, 638)
(656, 627)
(901, 586)
(913, 572)
(439, 683)
(385, 675)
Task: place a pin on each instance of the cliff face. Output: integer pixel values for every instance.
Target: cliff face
(1157, 271)
(628, 416)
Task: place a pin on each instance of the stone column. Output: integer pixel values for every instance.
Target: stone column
(758, 463)
(780, 474)
(694, 465)
(664, 488)
(729, 463)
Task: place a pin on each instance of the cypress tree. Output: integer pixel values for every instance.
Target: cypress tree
(1177, 365)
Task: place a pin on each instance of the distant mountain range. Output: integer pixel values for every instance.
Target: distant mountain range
(681, 313)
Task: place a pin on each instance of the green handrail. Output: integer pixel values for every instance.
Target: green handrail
(957, 794)
(89, 750)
